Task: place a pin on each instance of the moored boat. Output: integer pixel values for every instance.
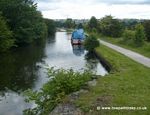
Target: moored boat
(78, 36)
(77, 41)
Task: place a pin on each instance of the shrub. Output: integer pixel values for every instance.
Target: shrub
(128, 36)
(94, 30)
(62, 83)
(139, 35)
(91, 43)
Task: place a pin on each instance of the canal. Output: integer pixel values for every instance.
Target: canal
(25, 68)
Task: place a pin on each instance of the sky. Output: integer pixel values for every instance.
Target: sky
(84, 9)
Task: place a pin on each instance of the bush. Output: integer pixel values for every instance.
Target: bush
(94, 30)
(139, 35)
(62, 83)
(128, 36)
(91, 43)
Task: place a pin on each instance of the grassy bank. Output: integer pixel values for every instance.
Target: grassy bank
(127, 85)
(144, 50)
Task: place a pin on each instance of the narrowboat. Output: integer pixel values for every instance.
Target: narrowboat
(78, 37)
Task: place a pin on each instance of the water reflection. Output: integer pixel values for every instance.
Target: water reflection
(19, 70)
(13, 104)
(78, 50)
(92, 62)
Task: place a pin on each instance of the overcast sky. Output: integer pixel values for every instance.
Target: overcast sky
(84, 9)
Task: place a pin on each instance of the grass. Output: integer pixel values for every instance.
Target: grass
(144, 50)
(128, 85)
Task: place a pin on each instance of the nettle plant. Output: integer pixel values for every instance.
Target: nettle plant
(62, 82)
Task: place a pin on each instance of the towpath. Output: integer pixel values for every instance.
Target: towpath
(133, 55)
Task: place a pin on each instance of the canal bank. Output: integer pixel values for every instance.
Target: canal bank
(126, 85)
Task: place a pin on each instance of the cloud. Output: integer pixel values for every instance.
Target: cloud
(130, 11)
(50, 1)
(57, 9)
(123, 1)
(99, 1)
(43, 6)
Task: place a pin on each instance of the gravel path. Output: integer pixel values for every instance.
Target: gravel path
(133, 55)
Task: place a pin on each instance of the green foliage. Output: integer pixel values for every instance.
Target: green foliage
(24, 20)
(50, 26)
(92, 23)
(139, 35)
(60, 24)
(91, 43)
(147, 29)
(105, 24)
(130, 23)
(69, 23)
(128, 36)
(94, 30)
(62, 83)
(6, 40)
(80, 26)
(40, 31)
(111, 27)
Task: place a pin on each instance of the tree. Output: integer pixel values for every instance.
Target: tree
(128, 36)
(6, 40)
(111, 27)
(147, 29)
(31, 28)
(69, 23)
(80, 26)
(130, 23)
(51, 26)
(105, 24)
(92, 23)
(24, 20)
(91, 43)
(139, 35)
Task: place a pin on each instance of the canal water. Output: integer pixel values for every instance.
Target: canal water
(25, 68)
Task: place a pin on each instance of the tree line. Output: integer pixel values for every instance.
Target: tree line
(137, 31)
(21, 23)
